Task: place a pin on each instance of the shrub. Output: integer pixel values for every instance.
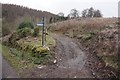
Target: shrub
(14, 37)
(18, 35)
(28, 48)
(38, 51)
(36, 32)
(24, 32)
(26, 24)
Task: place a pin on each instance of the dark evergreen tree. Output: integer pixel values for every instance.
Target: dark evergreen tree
(97, 13)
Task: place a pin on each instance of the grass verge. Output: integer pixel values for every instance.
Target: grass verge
(21, 60)
(18, 64)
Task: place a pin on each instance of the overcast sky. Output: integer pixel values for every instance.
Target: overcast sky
(109, 8)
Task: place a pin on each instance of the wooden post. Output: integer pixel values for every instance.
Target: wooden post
(43, 34)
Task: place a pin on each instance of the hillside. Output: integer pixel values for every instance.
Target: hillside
(13, 15)
(98, 36)
(84, 47)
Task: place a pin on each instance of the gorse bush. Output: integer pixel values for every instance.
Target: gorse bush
(24, 32)
(20, 33)
(38, 51)
(26, 24)
(14, 37)
(36, 31)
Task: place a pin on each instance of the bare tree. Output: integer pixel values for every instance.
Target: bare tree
(97, 13)
(61, 14)
(74, 13)
(91, 13)
(84, 13)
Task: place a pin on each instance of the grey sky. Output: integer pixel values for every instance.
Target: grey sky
(109, 8)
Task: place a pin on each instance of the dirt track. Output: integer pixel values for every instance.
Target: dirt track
(7, 70)
(70, 62)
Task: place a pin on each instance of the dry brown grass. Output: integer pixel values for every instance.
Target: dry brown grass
(83, 23)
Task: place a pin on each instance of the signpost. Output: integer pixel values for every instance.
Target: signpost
(40, 24)
(43, 30)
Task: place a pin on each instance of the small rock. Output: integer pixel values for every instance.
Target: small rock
(40, 66)
(55, 61)
(57, 65)
(56, 57)
(65, 67)
(35, 38)
(75, 77)
(27, 37)
(25, 66)
(48, 48)
(93, 73)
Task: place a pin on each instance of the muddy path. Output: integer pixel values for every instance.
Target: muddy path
(70, 62)
(71, 57)
(7, 70)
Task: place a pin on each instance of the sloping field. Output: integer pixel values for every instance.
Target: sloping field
(99, 36)
(82, 24)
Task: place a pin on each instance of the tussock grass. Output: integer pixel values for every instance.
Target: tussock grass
(82, 25)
